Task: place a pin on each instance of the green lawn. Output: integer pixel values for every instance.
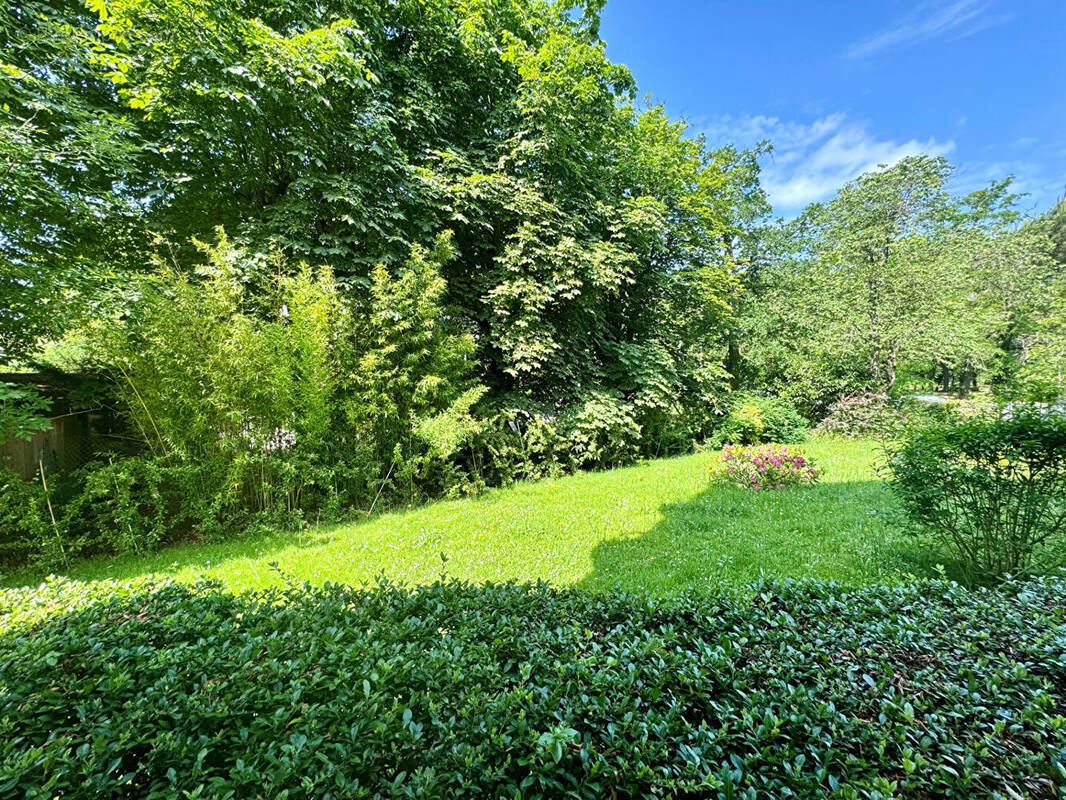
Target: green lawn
(656, 527)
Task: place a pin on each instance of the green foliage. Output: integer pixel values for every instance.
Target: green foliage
(863, 415)
(768, 466)
(744, 425)
(992, 491)
(1053, 225)
(123, 507)
(25, 527)
(755, 419)
(895, 277)
(334, 692)
(65, 140)
(783, 423)
(870, 415)
(273, 397)
(522, 443)
(23, 412)
(603, 431)
(581, 223)
(481, 198)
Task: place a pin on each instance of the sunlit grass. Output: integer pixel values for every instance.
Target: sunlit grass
(657, 526)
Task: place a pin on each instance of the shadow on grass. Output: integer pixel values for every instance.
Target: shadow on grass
(653, 528)
(728, 537)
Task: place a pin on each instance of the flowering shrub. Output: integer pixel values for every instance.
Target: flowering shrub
(768, 466)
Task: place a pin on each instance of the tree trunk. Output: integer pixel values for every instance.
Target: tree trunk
(875, 367)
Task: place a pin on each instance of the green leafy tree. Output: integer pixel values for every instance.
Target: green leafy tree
(65, 140)
(23, 412)
(893, 275)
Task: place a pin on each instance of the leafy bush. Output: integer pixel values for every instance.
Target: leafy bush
(862, 415)
(260, 390)
(766, 466)
(755, 419)
(744, 425)
(123, 507)
(992, 491)
(801, 690)
(784, 424)
(522, 443)
(25, 523)
(603, 431)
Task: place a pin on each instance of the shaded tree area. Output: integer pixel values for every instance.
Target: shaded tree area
(344, 133)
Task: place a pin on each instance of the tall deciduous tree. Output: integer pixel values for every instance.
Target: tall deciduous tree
(894, 272)
(65, 141)
(593, 239)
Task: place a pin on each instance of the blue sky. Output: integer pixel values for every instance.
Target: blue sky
(840, 87)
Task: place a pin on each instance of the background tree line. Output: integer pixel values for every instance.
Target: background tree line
(339, 253)
(895, 283)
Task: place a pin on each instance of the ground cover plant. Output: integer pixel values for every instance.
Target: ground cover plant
(806, 690)
(658, 527)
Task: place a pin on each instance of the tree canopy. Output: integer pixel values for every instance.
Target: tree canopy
(344, 133)
(895, 274)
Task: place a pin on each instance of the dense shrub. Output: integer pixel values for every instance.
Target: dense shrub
(603, 431)
(267, 397)
(25, 523)
(765, 466)
(804, 690)
(755, 419)
(522, 443)
(122, 507)
(992, 491)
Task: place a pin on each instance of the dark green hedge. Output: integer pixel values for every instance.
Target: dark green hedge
(158, 690)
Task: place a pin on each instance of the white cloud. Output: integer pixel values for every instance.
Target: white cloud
(811, 162)
(932, 19)
(1042, 185)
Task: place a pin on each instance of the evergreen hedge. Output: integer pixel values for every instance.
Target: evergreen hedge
(156, 690)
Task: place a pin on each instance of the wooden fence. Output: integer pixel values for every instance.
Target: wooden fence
(66, 446)
(78, 435)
